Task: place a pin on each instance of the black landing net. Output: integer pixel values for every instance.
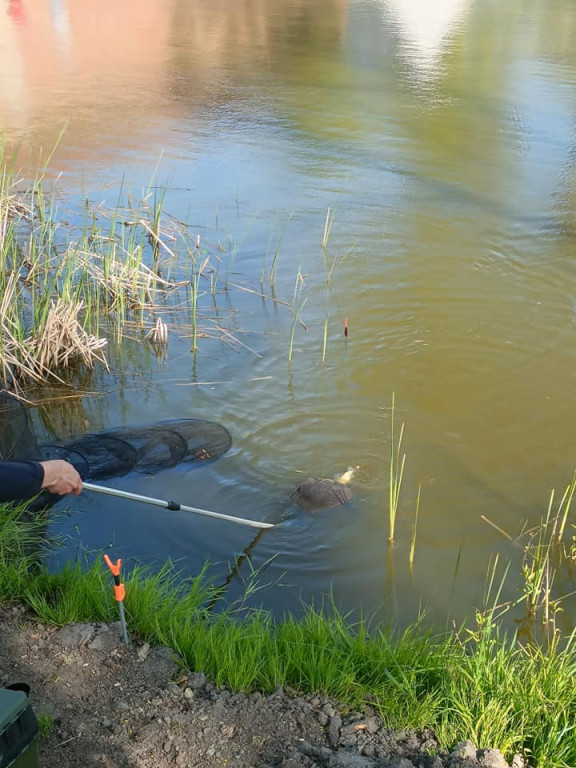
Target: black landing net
(118, 451)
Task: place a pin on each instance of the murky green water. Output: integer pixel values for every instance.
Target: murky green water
(444, 144)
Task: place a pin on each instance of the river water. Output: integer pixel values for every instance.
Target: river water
(442, 139)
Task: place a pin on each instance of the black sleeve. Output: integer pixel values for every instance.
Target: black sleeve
(20, 480)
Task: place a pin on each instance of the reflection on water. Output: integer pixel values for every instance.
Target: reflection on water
(444, 145)
(427, 28)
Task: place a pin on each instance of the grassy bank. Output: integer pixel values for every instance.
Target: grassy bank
(476, 682)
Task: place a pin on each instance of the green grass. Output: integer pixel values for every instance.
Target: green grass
(475, 683)
(45, 725)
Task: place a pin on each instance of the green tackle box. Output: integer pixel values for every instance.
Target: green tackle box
(18, 731)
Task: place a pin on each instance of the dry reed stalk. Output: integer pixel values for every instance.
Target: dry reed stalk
(126, 280)
(18, 365)
(11, 207)
(156, 240)
(62, 340)
(58, 343)
(159, 333)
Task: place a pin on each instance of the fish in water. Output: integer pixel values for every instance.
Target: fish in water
(324, 492)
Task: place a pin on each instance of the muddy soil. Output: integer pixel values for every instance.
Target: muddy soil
(103, 704)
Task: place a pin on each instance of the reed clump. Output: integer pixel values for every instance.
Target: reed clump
(60, 340)
(547, 553)
(68, 287)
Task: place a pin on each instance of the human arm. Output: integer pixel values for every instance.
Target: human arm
(21, 480)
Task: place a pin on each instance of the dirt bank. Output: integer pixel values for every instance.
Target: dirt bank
(102, 704)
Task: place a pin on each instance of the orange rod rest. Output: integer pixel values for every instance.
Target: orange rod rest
(114, 567)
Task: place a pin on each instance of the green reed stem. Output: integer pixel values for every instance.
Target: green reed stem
(297, 307)
(195, 289)
(396, 473)
(414, 527)
(327, 228)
